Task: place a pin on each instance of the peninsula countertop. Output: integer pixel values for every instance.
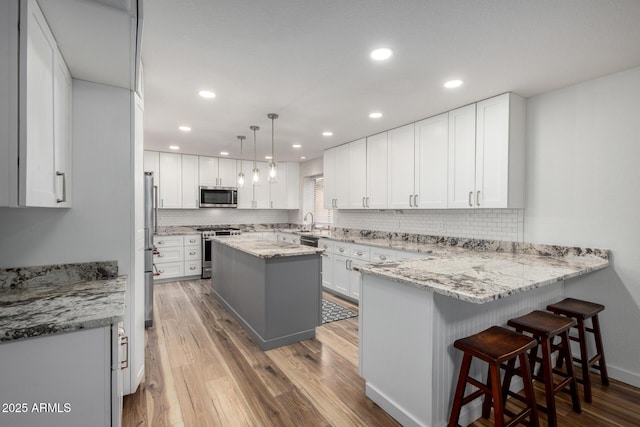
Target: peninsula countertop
(481, 277)
(265, 248)
(53, 299)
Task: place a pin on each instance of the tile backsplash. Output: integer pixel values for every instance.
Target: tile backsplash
(214, 216)
(492, 224)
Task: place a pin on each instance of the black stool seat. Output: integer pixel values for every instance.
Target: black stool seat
(495, 346)
(544, 326)
(581, 311)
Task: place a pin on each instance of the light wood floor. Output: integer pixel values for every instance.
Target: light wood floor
(202, 369)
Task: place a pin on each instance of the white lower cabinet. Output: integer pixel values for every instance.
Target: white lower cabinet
(177, 256)
(327, 263)
(61, 380)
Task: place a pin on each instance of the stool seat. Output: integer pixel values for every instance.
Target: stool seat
(494, 346)
(576, 308)
(544, 327)
(582, 311)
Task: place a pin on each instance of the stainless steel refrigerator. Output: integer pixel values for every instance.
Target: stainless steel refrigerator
(150, 227)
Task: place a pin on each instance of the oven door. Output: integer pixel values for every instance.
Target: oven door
(206, 257)
(218, 197)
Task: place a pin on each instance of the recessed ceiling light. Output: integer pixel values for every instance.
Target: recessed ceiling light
(381, 54)
(224, 153)
(375, 115)
(268, 157)
(184, 128)
(207, 94)
(453, 83)
(327, 133)
(174, 147)
(302, 157)
(296, 145)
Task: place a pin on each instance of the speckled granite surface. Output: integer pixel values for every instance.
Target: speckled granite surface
(481, 277)
(245, 228)
(59, 298)
(266, 248)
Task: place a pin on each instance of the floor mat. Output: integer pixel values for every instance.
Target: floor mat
(332, 312)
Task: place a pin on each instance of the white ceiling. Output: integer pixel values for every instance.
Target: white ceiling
(309, 62)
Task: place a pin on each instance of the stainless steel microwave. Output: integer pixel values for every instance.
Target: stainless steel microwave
(218, 197)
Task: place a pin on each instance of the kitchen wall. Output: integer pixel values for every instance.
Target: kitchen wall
(215, 216)
(583, 147)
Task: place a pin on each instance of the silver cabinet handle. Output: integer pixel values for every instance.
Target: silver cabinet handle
(415, 200)
(64, 187)
(411, 200)
(192, 252)
(359, 253)
(125, 343)
(470, 195)
(382, 257)
(162, 203)
(192, 240)
(367, 202)
(478, 198)
(363, 205)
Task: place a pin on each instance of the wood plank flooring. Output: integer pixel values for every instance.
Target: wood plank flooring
(202, 369)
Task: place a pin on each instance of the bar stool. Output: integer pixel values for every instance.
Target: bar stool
(581, 311)
(495, 346)
(544, 326)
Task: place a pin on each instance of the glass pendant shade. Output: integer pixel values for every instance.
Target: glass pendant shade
(241, 180)
(272, 164)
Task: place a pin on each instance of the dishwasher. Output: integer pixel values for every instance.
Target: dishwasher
(306, 240)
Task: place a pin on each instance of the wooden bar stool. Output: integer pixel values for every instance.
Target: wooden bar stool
(544, 326)
(581, 311)
(495, 346)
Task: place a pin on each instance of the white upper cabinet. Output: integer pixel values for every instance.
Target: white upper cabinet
(245, 193)
(400, 160)
(377, 175)
(487, 155)
(45, 111)
(329, 173)
(462, 156)
(261, 188)
(151, 163)
(217, 172)
(356, 181)
(293, 185)
(170, 181)
(278, 188)
(431, 153)
(190, 189)
(336, 176)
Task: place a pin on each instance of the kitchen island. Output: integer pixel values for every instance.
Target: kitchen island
(273, 288)
(412, 311)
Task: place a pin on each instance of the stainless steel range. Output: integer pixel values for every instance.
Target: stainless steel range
(207, 234)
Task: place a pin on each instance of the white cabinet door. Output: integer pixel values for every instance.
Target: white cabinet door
(227, 176)
(170, 180)
(377, 171)
(62, 87)
(293, 185)
(208, 171)
(152, 164)
(37, 168)
(431, 162)
(329, 173)
(327, 270)
(400, 164)
(341, 274)
(245, 193)
(355, 278)
(190, 189)
(462, 157)
(261, 188)
(357, 175)
(342, 177)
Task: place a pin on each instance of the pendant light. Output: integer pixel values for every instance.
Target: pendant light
(256, 171)
(241, 175)
(272, 163)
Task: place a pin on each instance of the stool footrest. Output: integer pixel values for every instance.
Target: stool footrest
(473, 396)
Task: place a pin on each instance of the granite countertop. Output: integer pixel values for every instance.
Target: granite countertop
(266, 248)
(47, 300)
(481, 277)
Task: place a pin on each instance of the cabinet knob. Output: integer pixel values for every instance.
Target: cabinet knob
(382, 257)
(193, 267)
(192, 252)
(359, 253)
(160, 255)
(341, 249)
(161, 242)
(325, 246)
(160, 271)
(192, 240)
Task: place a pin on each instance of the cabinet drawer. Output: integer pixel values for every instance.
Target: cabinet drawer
(192, 253)
(382, 255)
(168, 270)
(360, 252)
(167, 241)
(327, 245)
(341, 248)
(171, 254)
(193, 240)
(192, 268)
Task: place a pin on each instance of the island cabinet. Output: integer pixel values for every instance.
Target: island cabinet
(487, 154)
(36, 117)
(271, 287)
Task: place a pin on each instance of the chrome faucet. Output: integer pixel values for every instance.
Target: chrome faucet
(313, 224)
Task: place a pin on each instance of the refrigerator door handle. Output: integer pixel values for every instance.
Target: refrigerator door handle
(155, 209)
